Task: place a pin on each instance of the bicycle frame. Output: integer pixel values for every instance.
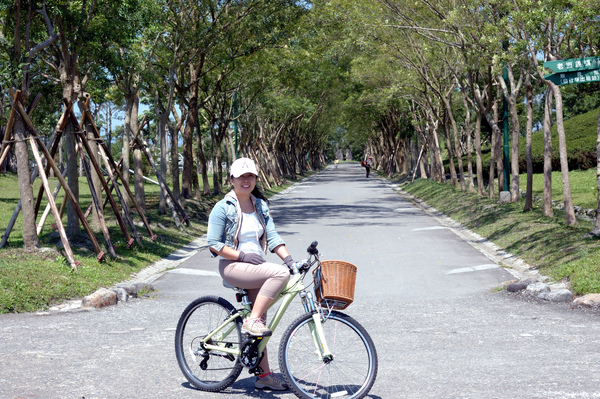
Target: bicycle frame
(295, 286)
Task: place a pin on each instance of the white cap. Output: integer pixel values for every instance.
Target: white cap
(243, 165)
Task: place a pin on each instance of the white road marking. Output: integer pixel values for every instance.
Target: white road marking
(430, 228)
(473, 269)
(194, 272)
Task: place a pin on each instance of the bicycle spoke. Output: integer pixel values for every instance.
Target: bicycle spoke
(350, 374)
(206, 367)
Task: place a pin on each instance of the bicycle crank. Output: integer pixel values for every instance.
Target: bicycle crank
(249, 356)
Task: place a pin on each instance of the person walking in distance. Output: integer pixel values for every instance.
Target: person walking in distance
(240, 231)
(367, 165)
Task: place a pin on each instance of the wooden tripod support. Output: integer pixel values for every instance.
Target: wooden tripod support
(139, 142)
(18, 107)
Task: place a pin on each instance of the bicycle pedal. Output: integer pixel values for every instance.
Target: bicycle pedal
(251, 337)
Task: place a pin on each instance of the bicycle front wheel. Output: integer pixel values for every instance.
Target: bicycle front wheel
(350, 374)
(208, 369)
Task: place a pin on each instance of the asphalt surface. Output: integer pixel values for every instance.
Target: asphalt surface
(425, 294)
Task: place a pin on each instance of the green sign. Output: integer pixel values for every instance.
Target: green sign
(573, 64)
(569, 78)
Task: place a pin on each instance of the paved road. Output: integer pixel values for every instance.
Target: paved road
(426, 297)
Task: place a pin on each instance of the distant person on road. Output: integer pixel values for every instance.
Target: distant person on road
(336, 163)
(367, 165)
(240, 230)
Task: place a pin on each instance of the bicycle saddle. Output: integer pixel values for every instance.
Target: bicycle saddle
(227, 285)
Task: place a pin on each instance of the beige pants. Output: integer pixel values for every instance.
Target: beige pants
(266, 279)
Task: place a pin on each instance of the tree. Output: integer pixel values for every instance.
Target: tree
(28, 42)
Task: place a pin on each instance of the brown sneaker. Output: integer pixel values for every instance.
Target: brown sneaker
(256, 327)
(271, 381)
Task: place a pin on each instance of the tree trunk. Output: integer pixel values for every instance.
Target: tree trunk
(491, 190)
(138, 168)
(547, 204)
(529, 128)
(73, 226)
(453, 179)
(598, 173)
(175, 160)
(93, 144)
(457, 151)
(571, 220)
(188, 142)
(163, 116)
(469, 141)
(30, 238)
(514, 156)
(202, 161)
(499, 153)
(478, 162)
(162, 133)
(131, 101)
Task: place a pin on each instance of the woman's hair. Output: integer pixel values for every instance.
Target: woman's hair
(256, 192)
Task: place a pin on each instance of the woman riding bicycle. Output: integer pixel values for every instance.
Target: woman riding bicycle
(240, 230)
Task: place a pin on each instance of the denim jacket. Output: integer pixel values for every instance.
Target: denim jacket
(224, 224)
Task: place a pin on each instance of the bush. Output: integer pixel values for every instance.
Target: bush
(581, 133)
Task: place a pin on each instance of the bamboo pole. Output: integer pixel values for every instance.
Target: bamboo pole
(11, 120)
(120, 175)
(40, 225)
(160, 182)
(95, 200)
(5, 152)
(68, 191)
(124, 207)
(171, 202)
(94, 162)
(54, 141)
(61, 229)
(16, 213)
(113, 204)
(105, 186)
(57, 135)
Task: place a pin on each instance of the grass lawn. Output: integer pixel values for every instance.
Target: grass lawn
(584, 189)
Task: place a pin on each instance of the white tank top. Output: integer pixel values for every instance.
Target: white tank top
(250, 233)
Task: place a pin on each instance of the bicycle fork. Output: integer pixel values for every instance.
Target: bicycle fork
(316, 328)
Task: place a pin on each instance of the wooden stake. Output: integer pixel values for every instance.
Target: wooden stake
(42, 221)
(61, 229)
(68, 191)
(11, 120)
(126, 213)
(171, 202)
(125, 183)
(104, 185)
(5, 152)
(95, 200)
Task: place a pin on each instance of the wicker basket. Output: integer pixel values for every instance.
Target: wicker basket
(334, 283)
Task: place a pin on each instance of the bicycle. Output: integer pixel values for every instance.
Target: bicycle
(323, 353)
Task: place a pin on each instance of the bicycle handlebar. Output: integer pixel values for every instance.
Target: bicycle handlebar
(312, 249)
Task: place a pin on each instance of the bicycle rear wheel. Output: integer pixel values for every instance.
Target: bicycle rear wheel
(350, 374)
(208, 370)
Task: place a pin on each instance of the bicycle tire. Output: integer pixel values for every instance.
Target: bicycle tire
(350, 375)
(200, 317)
